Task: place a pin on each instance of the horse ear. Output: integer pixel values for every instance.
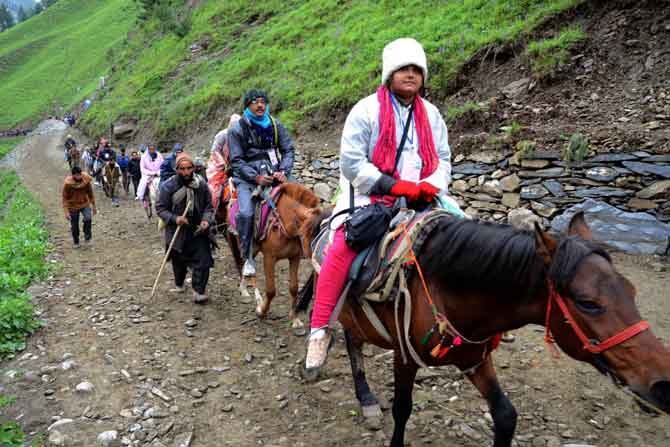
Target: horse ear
(545, 244)
(579, 227)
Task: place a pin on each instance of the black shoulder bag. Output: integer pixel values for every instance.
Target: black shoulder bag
(367, 224)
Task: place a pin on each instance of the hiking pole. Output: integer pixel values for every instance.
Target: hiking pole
(167, 253)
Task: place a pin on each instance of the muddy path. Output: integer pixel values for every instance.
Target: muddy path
(165, 370)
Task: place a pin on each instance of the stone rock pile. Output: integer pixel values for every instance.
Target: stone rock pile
(538, 186)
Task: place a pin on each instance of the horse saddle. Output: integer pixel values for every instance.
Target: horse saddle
(374, 273)
(262, 213)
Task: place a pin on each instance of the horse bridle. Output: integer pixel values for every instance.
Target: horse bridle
(591, 345)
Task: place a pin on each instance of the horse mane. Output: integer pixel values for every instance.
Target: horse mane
(496, 258)
(300, 194)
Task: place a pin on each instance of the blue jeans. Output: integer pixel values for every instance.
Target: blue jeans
(74, 223)
(245, 217)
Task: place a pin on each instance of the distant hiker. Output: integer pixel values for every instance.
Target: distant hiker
(218, 166)
(193, 246)
(170, 163)
(394, 144)
(261, 153)
(112, 174)
(122, 160)
(74, 157)
(150, 165)
(78, 199)
(134, 170)
(69, 144)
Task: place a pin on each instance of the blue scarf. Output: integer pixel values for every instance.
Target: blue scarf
(263, 122)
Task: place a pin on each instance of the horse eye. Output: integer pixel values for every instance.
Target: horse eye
(589, 307)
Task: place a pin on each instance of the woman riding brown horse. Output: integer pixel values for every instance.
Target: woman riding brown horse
(294, 205)
(486, 278)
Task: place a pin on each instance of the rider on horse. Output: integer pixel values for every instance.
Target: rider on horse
(218, 166)
(369, 148)
(150, 165)
(261, 153)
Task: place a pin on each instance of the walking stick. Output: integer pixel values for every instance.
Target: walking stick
(167, 253)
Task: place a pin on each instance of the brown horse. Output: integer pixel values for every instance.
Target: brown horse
(294, 205)
(488, 278)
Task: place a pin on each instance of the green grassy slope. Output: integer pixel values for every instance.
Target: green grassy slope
(313, 56)
(57, 57)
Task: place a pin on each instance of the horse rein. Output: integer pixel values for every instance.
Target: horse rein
(593, 346)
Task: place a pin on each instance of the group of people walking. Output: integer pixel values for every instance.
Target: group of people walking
(394, 145)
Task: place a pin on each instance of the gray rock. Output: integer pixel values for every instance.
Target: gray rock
(604, 191)
(322, 191)
(611, 158)
(636, 233)
(657, 159)
(85, 387)
(533, 192)
(487, 157)
(511, 199)
(543, 173)
(493, 187)
(660, 189)
(109, 439)
(602, 174)
(641, 204)
(317, 164)
(517, 88)
(523, 219)
(648, 168)
(554, 187)
(510, 183)
(543, 209)
(460, 186)
(183, 439)
(534, 164)
(472, 169)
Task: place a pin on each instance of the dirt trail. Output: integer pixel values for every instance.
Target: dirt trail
(166, 369)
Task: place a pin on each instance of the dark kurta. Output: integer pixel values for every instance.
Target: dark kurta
(196, 251)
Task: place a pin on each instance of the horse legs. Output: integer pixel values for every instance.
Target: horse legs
(404, 375)
(369, 403)
(263, 304)
(294, 265)
(503, 412)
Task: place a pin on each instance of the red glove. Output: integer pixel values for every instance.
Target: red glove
(428, 191)
(408, 189)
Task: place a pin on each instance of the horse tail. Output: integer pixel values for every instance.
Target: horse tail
(305, 294)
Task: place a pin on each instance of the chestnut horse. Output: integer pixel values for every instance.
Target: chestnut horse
(487, 278)
(295, 203)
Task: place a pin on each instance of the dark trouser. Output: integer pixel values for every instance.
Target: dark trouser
(136, 184)
(74, 223)
(244, 220)
(196, 255)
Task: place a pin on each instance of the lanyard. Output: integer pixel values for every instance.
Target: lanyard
(396, 110)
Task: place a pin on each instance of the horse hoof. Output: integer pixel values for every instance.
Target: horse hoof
(260, 314)
(373, 411)
(310, 374)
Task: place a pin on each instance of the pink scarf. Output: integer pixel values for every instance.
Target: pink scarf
(384, 154)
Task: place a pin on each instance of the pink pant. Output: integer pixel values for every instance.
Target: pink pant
(332, 278)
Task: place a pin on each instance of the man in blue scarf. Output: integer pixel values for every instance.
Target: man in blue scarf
(261, 153)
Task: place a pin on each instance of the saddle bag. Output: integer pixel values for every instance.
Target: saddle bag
(366, 226)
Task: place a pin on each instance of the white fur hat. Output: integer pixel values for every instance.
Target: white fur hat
(401, 53)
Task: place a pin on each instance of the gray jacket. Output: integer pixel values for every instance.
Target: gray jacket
(248, 152)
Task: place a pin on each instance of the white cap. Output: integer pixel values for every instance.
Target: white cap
(401, 53)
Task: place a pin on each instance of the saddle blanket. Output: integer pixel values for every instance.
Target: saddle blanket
(374, 273)
(261, 215)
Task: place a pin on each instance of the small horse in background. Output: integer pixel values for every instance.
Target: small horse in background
(295, 204)
(480, 279)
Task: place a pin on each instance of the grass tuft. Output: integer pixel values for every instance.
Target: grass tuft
(547, 55)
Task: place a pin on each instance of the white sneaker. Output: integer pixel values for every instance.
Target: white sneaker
(178, 289)
(249, 268)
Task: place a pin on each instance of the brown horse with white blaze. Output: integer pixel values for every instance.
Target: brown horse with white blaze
(484, 279)
(295, 204)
